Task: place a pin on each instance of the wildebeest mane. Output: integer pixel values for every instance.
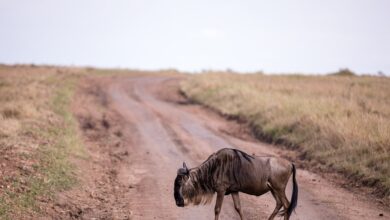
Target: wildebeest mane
(222, 166)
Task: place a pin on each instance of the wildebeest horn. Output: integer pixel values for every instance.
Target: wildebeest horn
(185, 166)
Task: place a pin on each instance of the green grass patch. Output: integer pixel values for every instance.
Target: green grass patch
(55, 127)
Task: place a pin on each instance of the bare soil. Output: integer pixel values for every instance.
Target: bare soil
(138, 131)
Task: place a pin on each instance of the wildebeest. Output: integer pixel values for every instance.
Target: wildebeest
(230, 171)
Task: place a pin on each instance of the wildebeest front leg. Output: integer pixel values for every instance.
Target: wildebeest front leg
(237, 205)
(218, 204)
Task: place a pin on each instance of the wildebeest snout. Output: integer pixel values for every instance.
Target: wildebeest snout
(180, 203)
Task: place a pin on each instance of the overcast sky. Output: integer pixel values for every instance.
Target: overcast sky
(274, 36)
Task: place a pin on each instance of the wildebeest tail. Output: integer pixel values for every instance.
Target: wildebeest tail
(294, 196)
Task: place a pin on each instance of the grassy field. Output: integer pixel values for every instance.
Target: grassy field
(37, 135)
(337, 123)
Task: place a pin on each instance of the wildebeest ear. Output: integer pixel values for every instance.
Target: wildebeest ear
(185, 166)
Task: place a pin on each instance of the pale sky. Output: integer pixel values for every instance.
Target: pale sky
(308, 36)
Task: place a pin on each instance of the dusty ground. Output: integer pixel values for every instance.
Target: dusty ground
(138, 131)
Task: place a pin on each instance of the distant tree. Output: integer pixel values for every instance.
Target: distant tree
(343, 72)
(380, 73)
(260, 72)
(229, 70)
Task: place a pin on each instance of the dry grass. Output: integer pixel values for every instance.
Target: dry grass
(37, 134)
(340, 123)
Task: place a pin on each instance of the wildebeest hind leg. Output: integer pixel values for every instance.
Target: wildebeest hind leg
(237, 205)
(278, 204)
(282, 195)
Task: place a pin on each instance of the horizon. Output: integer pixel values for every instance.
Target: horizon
(204, 71)
(302, 37)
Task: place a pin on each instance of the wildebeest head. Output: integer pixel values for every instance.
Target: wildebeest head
(181, 178)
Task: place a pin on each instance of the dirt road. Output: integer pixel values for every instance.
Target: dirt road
(142, 137)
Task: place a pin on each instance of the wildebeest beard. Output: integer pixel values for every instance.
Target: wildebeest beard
(201, 183)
